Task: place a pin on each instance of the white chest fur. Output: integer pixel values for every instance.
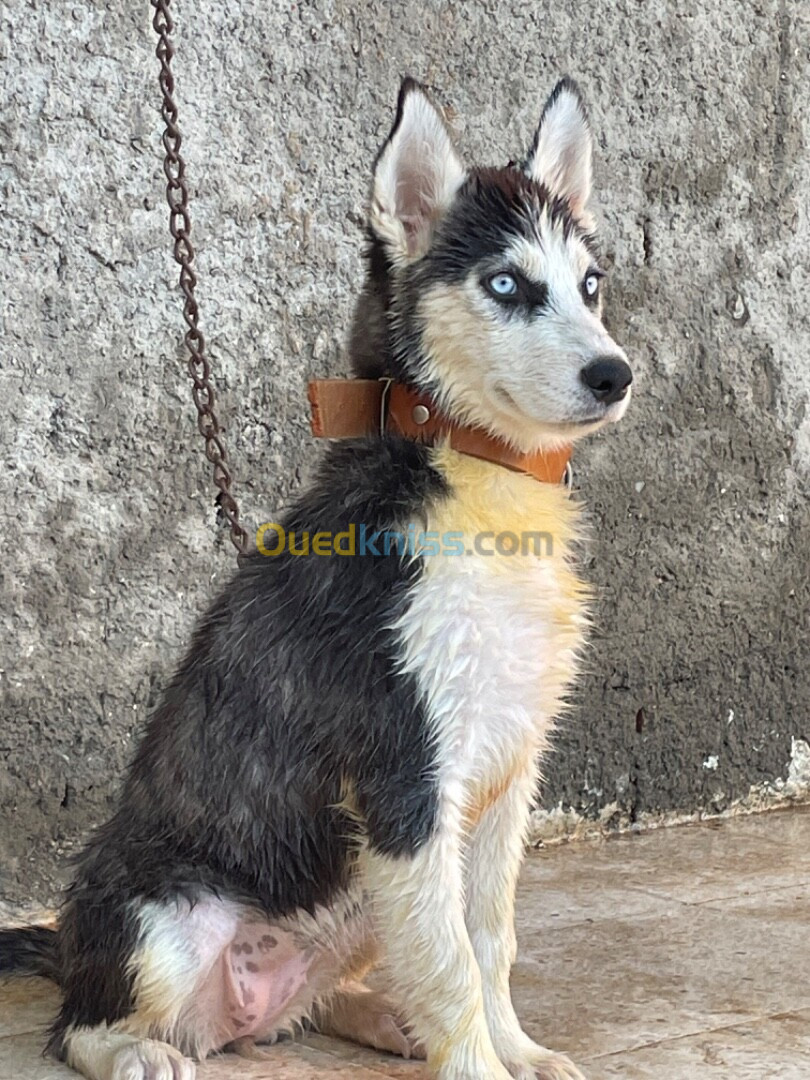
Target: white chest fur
(493, 638)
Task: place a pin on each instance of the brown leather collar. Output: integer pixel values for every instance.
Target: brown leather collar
(351, 408)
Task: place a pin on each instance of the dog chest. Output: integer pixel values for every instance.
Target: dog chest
(494, 622)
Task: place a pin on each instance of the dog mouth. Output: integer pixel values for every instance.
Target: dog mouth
(606, 415)
(609, 414)
(597, 416)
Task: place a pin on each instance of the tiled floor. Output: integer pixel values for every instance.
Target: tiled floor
(674, 955)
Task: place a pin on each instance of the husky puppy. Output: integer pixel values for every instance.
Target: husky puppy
(344, 763)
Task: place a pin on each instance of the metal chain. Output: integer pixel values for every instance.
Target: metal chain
(180, 227)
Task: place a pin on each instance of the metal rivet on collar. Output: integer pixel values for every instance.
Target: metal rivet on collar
(420, 414)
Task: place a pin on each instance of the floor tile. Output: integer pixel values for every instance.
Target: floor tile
(693, 863)
(775, 1048)
(619, 983)
(287, 1062)
(26, 1005)
(554, 893)
(21, 1059)
(788, 904)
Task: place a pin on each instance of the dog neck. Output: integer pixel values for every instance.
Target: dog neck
(353, 408)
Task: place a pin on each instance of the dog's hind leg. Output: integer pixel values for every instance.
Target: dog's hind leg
(193, 978)
(131, 970)
(418, 904)
(495, 855)
(219, 974)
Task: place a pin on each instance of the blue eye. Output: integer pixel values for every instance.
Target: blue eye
(502, 285)
(591, 285)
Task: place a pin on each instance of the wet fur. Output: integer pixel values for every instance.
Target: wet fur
(349, 749)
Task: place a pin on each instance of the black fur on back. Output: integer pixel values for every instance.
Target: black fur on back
(288, 694)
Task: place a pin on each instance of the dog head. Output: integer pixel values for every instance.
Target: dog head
(485, 284)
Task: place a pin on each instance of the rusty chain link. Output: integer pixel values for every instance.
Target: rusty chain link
(180, 227)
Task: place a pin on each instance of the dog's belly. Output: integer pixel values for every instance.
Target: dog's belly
(493, 639)
(254, 980)
(227, 972)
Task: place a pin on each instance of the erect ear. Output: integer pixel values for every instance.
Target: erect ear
(560, 156)
(416, 175)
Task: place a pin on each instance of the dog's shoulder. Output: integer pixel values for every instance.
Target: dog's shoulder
(380, 482)
(327, 549)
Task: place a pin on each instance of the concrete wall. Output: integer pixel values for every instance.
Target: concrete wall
(698, 684)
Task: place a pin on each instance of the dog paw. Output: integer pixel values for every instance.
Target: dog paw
(481, 1069)
(388, 1030)
(371, 1019)
(542, 1064)
(149, 1060)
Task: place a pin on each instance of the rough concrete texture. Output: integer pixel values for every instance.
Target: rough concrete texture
(697, 686)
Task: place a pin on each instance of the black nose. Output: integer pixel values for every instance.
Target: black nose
(607, 378)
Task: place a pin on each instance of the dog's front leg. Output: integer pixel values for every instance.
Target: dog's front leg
(418, 904)
(495, 857)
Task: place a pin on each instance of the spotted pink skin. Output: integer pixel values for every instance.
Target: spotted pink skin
(252, 981)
